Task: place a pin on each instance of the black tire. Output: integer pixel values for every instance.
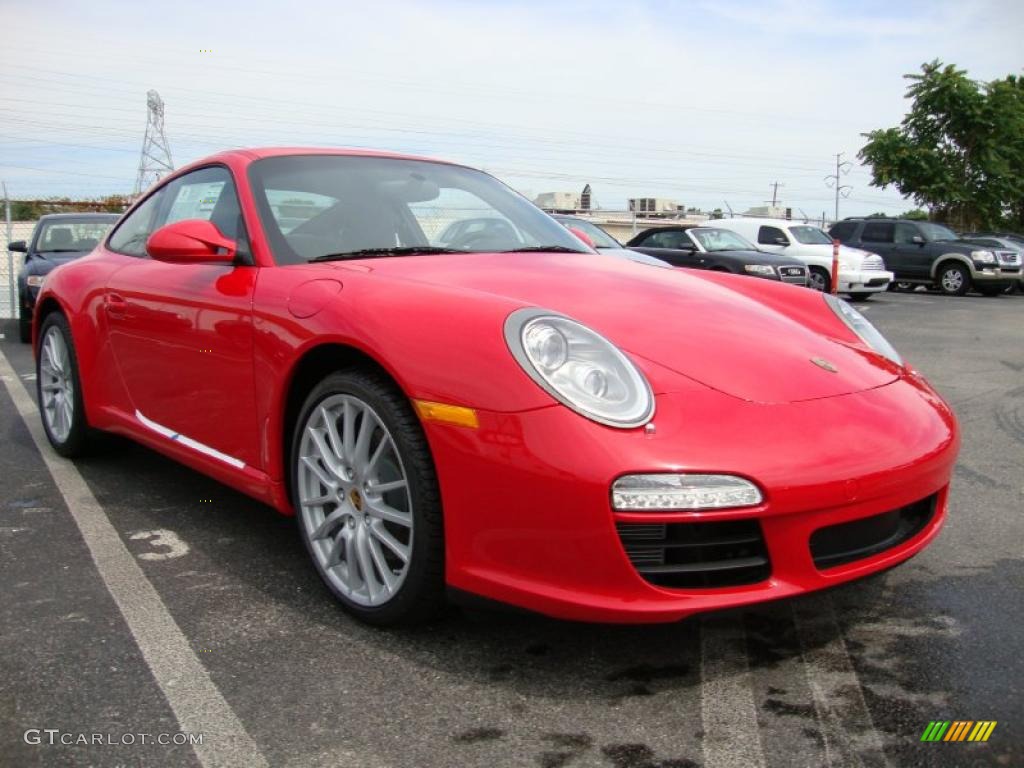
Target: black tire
(421, 596)
(863, 296)
(900, 286)
(947, 281)
(990, 290)
(76, 441)
(818, 279)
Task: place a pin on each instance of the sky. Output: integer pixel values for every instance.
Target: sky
(706, 103)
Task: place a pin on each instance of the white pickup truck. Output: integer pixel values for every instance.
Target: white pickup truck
(861, 273)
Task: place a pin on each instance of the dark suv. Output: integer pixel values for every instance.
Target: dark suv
(920, 252)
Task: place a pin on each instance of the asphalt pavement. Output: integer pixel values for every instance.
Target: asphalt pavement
(139, 597)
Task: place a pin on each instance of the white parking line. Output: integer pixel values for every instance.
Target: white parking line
(847, 729)
(195, 700)
(732, 737)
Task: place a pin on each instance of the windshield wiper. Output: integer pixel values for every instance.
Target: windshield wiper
(543, 248)
(376, 253)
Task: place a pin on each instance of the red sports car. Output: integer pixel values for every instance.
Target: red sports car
(506, 414)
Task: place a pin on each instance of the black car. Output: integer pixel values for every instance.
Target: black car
(925, 253)
(56, 239)
(717, 249)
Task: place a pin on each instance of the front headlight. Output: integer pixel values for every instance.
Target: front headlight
(983, 257)
(760, 269)
(859, 324)
(35, 281)
(579, 368)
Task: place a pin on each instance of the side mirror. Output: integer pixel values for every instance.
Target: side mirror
(781, 241)
(581, 235)
(191, 241)
(17, 245)
(917, 240)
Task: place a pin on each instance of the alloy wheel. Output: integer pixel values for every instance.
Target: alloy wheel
(355, 501)
(952, 280)
(56, 384)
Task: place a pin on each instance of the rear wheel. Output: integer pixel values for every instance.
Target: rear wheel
(367, 501)
(819, 280)
(59, 389)
(953, 279)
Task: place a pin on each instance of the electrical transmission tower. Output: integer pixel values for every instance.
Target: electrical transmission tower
(155, 161)
(833, 179)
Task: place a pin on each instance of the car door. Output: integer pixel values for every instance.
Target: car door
(673, 246)
(911, 250)
(772, 239)
(879, 237)
(182, 334)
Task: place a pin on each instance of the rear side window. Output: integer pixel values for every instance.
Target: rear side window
(131, 234)
(771, 236)
(843, 231)
(878, 232)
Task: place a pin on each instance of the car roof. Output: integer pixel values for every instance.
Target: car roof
(259, 153)
(78, 216)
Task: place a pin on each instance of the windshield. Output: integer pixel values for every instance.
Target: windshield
(810, 236)
(936, 231)
(83, 235)
(327, 206)
(601, 238)
(721, 240)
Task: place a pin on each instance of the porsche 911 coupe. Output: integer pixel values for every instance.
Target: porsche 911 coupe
(504, 414)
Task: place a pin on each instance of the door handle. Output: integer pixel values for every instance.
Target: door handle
(116, 306)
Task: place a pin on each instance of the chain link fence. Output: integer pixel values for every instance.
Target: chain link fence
(10, 264)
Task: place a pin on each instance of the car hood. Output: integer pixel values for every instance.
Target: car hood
(708, 330)
(43, 263)
(760, 257)
(847, 254)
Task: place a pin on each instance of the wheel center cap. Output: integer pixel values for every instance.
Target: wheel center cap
(356, 499)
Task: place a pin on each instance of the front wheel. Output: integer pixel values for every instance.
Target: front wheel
(59, 388)
(819, 280)
(954, 280)
(367, 500)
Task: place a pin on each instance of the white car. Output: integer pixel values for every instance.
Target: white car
(861, 273)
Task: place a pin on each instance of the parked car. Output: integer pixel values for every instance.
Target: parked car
(57, 238)
(717, 249)
(861, 273)
(605, 243)
(1002, 245)
(925, 253)
(510, 418)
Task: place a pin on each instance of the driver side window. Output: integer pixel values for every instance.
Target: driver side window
(771, 235)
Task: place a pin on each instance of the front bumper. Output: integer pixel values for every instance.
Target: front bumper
(991, 274)
(864, 281)
(528, 518)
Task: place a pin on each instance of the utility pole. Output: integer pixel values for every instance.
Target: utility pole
(834, 180)
(155, 161)
(775, 191)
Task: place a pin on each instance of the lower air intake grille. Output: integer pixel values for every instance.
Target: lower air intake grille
(857, 539)
(688, 555)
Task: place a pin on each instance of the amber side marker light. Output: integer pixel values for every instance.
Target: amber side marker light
(447, 414)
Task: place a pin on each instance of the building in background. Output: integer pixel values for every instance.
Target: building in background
(659, 206)
(561, 202)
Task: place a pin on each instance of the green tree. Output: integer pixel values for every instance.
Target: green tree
(915, 214)
(959, 151)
